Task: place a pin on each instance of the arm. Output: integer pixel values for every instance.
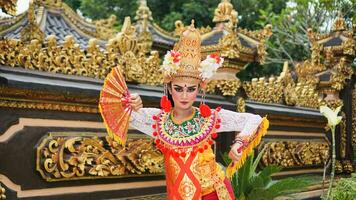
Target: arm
(251, 127)
(245, 123)
(142, 119)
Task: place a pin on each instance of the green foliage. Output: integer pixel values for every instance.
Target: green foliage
(95, 9)
(202, 11)
(252, 185)
(248, 11)
(289, 40)
(74, 4)
(345, 189)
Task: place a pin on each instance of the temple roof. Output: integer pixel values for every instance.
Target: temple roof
(59, 20)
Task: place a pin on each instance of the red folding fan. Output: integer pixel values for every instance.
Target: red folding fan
(114, 106)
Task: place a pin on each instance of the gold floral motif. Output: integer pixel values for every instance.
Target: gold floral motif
(151, 68)
(52, 3)
(339, 24)
(338, 167)
(31, 30)
(259, 35)
(347, 166)
(342, 72)
(230, 46)
(69, 58)
(296, 153)
(303, 94)
(225, 12)
(143, 12)
(104, 27)
(349, 47)
(180, 27)
(266, 91)
(61, 157)
(2, 193)
(344, 166)
(38, 95)
(8, 6)
(126, 39)
(145, 42)
(240, 105)
(226, 87)
(47, 106)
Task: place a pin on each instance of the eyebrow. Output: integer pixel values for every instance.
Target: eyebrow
(190, 87)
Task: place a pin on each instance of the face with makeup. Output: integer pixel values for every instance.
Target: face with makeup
(183, 94)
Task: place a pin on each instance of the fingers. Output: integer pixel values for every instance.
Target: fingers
(135, 101)
(234, 154)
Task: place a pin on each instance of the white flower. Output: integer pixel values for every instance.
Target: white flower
(331, 115)
(210, 65)
(171, 62)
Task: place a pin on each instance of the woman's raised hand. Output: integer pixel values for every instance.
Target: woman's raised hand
(135, 101)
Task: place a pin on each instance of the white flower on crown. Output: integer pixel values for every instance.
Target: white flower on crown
(210, 65)
(171, 62)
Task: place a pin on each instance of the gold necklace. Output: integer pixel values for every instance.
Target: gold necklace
(181, 121)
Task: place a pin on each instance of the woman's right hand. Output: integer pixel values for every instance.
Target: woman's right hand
(135, 101)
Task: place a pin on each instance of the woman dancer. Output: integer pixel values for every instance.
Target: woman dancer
(185, 133)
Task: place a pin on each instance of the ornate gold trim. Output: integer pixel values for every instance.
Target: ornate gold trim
(8, 6)
(32, 122)
(290, 154)
(80, 155)
(41, 105)
(78, 189)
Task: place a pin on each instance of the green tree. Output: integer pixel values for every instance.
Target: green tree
(74, 4)
(289, 41)
(104, 8)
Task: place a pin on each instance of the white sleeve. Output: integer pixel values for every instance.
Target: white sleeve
(142, 120)
(245, 123)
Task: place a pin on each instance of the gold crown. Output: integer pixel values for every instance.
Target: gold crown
(189, 48)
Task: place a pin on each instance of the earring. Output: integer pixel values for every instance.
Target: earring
(204, 109)
(165, 103)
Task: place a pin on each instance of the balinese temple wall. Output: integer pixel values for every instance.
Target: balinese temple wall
(53, 141)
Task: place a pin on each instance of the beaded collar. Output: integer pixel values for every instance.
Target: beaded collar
(195, 132)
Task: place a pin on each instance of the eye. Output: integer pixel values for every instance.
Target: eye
(178, 89)
(191, 89)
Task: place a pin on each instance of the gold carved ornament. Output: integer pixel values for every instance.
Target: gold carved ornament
(180, 28)
(261, 36)
(225, 13)
(343, 71)
(104, 27)
(2, 193)
(226, 87)
(241, 105)
(69, 58)
(85, 157)
(8, 6)
(230, 46)
(295, 153)
(31, 30)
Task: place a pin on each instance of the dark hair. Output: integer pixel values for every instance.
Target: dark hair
(169, 95)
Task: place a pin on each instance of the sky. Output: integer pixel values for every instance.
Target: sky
(22, 6)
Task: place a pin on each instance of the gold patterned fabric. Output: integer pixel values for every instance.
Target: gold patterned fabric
(191, 169)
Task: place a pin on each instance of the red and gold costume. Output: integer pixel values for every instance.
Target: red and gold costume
(192, 172)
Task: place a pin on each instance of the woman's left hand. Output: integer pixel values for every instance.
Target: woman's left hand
(234, 154)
